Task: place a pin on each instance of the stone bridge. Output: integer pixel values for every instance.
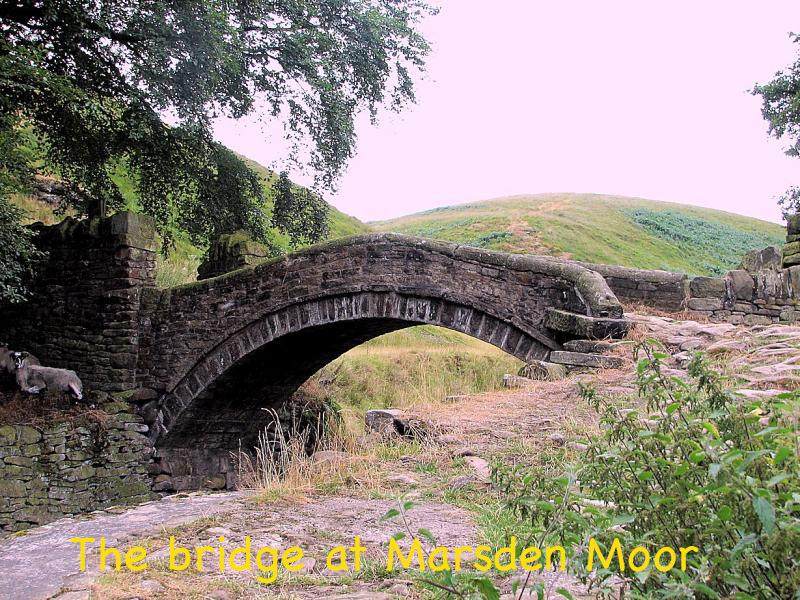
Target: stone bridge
(203, 362)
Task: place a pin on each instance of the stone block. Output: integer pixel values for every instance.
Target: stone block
(587, 346)
(791, 248)
(578, 359)
(584, 326)
(543, 371)
(705, 304)
(742, 284)
(757, 320)
(762, 260)
(793, 224)
(707, 287)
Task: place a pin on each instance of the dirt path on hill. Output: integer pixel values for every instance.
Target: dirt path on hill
(445, 478)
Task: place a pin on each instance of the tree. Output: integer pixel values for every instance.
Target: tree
(781, 108)
(18, 256)
(104, 83)
(299, 212)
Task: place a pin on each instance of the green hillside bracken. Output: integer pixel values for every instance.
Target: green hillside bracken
(616, 230)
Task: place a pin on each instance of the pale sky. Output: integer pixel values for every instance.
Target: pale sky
(623, 97)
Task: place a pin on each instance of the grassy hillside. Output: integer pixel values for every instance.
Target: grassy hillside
(606, 229)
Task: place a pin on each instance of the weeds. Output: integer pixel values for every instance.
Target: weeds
(695, 466)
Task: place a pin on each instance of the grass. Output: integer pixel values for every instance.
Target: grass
(598, 228)
(419, 365)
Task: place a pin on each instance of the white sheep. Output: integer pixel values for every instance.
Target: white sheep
(33, 378)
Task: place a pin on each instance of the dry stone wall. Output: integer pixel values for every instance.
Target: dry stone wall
(49, 471)
(791, 251)
(759, 292)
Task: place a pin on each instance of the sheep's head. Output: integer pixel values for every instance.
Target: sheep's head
(19, 358)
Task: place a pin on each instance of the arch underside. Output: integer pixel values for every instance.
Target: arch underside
(223, 402)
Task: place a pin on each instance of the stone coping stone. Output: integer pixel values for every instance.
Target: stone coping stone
(579, 359)
(585, 327)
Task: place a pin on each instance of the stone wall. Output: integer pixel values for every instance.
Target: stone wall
(85, 311)
(759, 292)
(791, 251)
(49, 471)
(661, 289)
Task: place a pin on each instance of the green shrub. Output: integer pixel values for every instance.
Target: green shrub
(689, 464)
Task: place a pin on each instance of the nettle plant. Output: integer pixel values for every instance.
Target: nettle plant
(689, 464)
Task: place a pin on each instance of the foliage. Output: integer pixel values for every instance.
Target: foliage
(140, 83)
(300, 213)
(18, 256)
(781, 108)
(695, 465)
(721, 242)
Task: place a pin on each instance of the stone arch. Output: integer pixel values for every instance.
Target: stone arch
(362, 315)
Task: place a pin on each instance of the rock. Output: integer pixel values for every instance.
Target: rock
(579, 446)
(74, 595)
(593, 328)
(219, 532)
(793, 224)
(307, 565)
(402, 478)
(707, 287)
(705, 304)
(557, 438)
(742, 284)
(455, 398)
(791, 248)
(578, 359)
(480, 466)
(151, 586)
(791, 261)
(399, 589)
(383, 420)
(392, 421)
(218, 482)
(543, 371)
(588, 346)
(768, 259)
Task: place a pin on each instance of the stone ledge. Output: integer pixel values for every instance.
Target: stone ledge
(584, 326)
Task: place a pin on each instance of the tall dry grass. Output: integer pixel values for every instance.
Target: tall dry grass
(281, 466)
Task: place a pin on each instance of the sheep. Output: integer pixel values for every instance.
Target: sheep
(33, 378)
(8, 365)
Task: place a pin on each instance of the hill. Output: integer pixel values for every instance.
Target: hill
(606, 229)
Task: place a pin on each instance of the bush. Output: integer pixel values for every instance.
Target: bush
(689, 465)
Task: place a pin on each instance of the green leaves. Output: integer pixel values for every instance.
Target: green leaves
(694, 468)
(765, 512)
(98, 91)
